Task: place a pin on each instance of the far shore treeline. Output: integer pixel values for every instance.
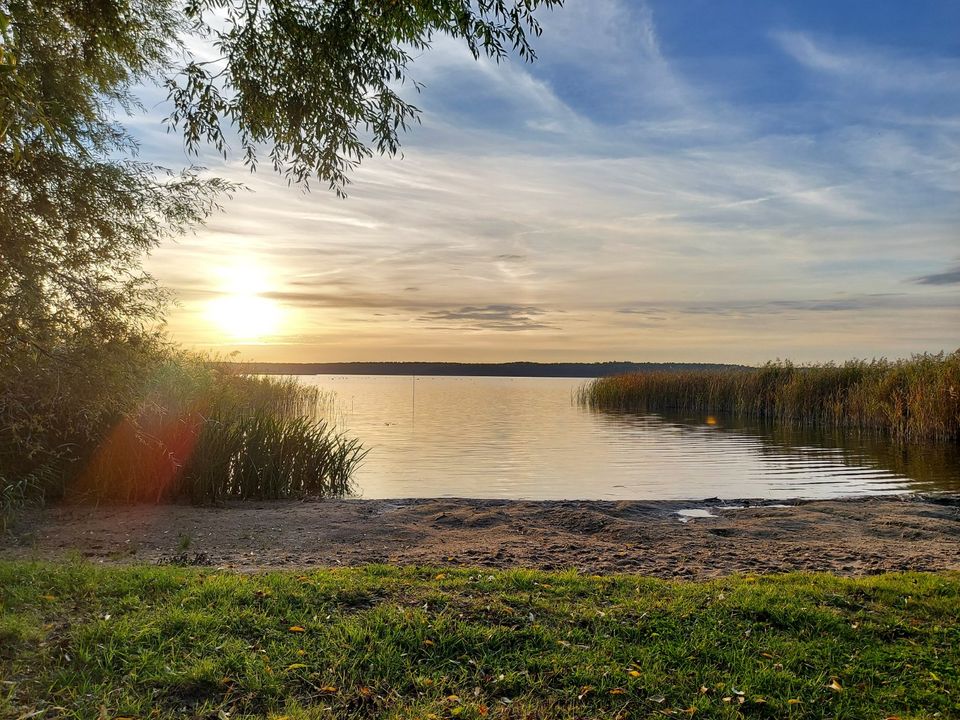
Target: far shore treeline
(505, 369)
(908, 400)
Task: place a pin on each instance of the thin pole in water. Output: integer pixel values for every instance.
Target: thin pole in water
(413, 403)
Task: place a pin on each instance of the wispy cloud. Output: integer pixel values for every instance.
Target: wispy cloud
(547, 199)
(947, 277)
(510, 318)
(870, 68)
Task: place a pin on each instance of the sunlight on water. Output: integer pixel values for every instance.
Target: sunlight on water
(525, 438)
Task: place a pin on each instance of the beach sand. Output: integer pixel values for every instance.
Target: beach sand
(848, 536)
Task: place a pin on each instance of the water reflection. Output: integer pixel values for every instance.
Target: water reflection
(801, 451)
(525, 438)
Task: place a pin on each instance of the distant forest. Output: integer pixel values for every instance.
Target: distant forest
(509, 369)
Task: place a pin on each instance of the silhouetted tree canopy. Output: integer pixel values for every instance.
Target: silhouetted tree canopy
(315, 85)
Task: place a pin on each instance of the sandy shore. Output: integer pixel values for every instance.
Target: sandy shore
(850, 537)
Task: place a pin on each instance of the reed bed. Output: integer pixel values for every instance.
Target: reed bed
(908, 400)
(202, 433)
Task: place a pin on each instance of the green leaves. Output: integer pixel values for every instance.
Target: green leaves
(319, 84)
(316, 85)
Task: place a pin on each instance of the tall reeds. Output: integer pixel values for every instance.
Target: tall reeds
(201, 433)
(910, 400)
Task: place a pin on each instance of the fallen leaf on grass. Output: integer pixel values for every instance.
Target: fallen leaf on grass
(297, 628)
(483, 710)
(794, 701)
(633, 673)
(618, 691)
(584, 691)
(296, 666)
(49, 598)
(328, 689)
(835, 686)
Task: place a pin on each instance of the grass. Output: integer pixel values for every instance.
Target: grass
(81, 641)
(909, 400)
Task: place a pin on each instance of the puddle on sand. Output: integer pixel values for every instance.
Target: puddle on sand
(689, 514)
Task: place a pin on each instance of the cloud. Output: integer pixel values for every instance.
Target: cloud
(491, 317)
(549, 198)
(871, 68)
(746, 309)
(948, 277)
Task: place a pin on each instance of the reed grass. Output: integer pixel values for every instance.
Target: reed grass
(909, 400)
(204, 433)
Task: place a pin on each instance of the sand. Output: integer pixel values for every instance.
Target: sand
(848, 537)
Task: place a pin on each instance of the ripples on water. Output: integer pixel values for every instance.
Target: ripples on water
(526, 438)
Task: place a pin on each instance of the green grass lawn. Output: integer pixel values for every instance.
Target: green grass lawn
(82, 641)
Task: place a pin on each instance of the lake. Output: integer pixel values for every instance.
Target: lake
(525, 438)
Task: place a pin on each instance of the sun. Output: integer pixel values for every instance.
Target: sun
(241, 312)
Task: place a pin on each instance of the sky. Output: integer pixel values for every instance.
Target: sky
(683, 180)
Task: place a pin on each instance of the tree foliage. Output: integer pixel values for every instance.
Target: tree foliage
(315, 84)
(319, 83)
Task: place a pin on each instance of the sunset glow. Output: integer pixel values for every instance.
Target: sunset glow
(621, 198)
(241, 312)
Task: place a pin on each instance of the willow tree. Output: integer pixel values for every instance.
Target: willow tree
(314, 86)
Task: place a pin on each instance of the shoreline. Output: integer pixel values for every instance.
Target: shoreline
(847, 536)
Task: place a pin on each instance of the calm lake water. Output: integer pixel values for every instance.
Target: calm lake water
(525, 438)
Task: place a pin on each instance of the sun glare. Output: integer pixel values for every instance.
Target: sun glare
(241, 312)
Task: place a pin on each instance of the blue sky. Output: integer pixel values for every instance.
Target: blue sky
(692, 180)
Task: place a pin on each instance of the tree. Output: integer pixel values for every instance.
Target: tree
(316, 82)
(309, 78)
(313, 83)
